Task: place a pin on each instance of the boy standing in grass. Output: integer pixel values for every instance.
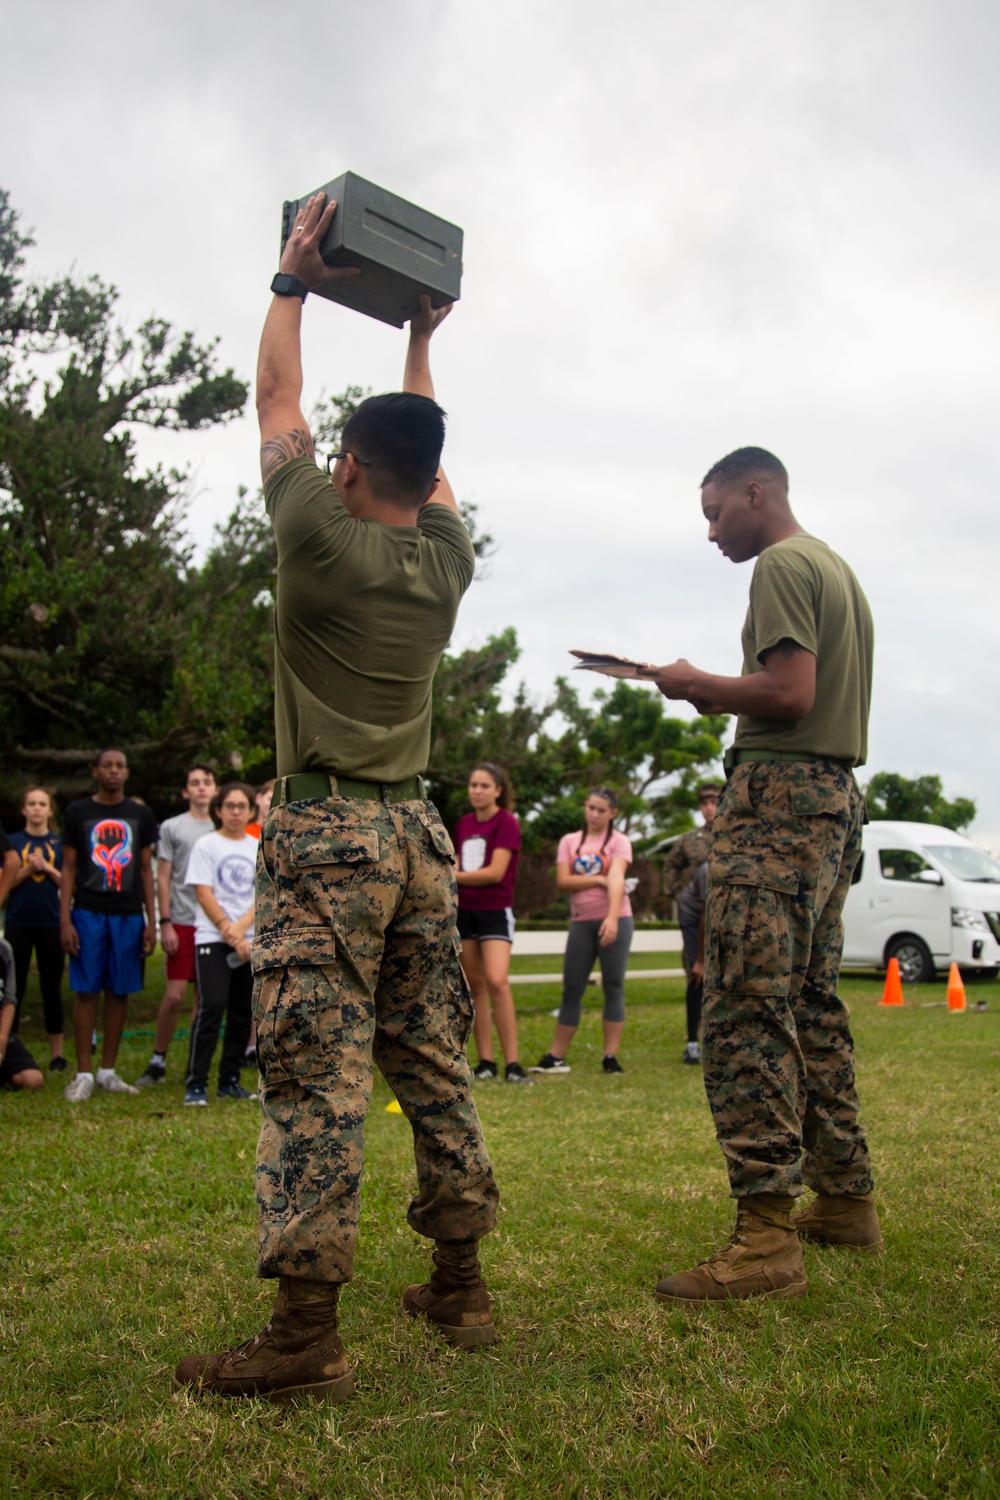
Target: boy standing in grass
(178, 911)
(107, 881)
(355, 956)
(778, 1051)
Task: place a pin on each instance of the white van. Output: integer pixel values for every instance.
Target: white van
(924, 896)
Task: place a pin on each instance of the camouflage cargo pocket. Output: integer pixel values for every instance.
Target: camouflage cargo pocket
(748, 941)
(297, 1004)
(328, 867)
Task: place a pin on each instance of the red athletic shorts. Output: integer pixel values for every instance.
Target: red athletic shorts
(181, 966)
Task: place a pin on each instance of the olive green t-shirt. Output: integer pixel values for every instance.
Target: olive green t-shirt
(802, 591)
(362, 614)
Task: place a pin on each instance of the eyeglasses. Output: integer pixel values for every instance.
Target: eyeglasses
(332, 459)
(235, 807)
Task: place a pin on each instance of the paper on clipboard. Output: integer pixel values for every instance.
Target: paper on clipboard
(612, 666)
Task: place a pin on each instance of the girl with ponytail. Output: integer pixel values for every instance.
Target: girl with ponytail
(591, 866)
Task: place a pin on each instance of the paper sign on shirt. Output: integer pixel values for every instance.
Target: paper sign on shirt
(473, 854)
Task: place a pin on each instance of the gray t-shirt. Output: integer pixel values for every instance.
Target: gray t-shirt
(178, 837)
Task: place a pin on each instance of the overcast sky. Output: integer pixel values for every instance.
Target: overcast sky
(687, 228)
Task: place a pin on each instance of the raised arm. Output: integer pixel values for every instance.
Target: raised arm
(417, 375)
(284, 432)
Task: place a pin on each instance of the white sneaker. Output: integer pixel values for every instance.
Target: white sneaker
(112, 1084)
(80, 1089)
(692, 1053)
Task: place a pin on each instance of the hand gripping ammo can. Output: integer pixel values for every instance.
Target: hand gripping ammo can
(402, 251)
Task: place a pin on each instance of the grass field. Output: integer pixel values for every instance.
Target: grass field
(127, 1240)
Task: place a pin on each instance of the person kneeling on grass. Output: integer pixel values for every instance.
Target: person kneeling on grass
(221, 869)
(17, 1066)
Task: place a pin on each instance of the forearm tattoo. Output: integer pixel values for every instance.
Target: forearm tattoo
(280, 450)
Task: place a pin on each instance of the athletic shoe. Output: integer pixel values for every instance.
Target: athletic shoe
(550, 1064)
(195, 1094)
(514, 1073)
(486, 1070)
(234, 1091)
(692, 1053)
(80, 1089)
(115, 1085)
(250, 1057)
(612, 1065)
(57, 1065)
(155, 1073)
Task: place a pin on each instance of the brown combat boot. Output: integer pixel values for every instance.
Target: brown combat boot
(763, 1258)
(299, 1353)
(455, 1300)
(842, 1219)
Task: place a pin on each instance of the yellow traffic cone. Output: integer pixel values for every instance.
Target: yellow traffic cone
(956, 989)
(893, 992)
(394, 1107)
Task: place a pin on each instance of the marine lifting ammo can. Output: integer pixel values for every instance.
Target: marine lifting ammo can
(402, 250)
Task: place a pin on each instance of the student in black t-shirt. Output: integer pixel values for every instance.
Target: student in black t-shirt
(107, 880)
(33, 914)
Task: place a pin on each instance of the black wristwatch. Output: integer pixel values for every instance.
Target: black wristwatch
(285, 285)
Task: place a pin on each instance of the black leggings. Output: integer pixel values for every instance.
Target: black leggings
(583, 950)
(48, 952)
(222, 991)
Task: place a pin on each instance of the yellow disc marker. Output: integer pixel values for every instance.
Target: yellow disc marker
(394, 1107)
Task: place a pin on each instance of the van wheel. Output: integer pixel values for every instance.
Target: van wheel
(913, 956)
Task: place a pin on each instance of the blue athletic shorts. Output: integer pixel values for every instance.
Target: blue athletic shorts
(110, 953)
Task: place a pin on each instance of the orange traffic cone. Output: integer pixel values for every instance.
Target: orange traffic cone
(956, 989)
(893, 992)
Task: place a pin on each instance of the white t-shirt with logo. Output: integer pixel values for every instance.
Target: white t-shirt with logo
(228, 866)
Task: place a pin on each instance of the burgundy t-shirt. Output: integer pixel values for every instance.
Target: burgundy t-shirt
(474, 844)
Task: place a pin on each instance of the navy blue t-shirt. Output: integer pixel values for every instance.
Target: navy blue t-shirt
(108, 841)
(35, 902)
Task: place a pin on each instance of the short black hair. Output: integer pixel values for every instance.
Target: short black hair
(108, 750)
(401, 436)
(743, 462)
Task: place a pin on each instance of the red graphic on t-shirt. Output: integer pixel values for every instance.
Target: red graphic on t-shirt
(111, 850)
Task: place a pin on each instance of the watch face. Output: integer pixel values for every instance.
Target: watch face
(286, 285)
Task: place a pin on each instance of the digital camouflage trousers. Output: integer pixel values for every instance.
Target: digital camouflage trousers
(356, 959)
(777, 1047)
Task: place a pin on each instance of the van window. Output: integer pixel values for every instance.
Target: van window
(967, 863)
(857, 869)
(901, 864)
